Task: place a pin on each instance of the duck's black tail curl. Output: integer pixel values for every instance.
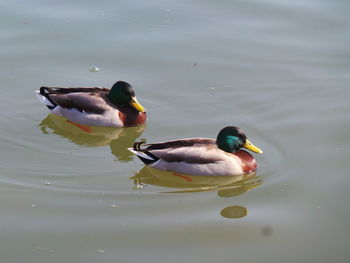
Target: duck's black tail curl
(137, 145)
(144, 155)
(45, 90)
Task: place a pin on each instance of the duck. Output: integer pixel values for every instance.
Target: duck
(95, 106)
(201, 156)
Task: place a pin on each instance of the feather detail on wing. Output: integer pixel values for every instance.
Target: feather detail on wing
(85, 102)
(195, 151)
(180, 143)
(57, 90)
(89, 100)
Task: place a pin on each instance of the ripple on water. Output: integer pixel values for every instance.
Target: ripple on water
(59, 152)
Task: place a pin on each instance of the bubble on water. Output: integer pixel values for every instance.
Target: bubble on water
(138, 186)
(94, 69)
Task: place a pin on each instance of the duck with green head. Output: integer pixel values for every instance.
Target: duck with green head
(95, 106)
(202, 156)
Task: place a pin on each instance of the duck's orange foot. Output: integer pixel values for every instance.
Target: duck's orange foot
(185, 177)
(84, 128)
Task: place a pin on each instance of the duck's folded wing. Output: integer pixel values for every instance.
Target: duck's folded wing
(58, 90)
(198, 150)
(92, 102)
(179, 143)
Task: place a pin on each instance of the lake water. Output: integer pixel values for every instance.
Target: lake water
(277, 69)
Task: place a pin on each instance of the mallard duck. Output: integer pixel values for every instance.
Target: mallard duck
(201, 156)
(95, 106)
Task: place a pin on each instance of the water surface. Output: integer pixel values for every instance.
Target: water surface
(277, 69)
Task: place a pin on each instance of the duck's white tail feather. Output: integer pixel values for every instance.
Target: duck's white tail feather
(141, 154)
(44, 100)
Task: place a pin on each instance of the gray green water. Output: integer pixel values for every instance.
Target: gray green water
(278, 69)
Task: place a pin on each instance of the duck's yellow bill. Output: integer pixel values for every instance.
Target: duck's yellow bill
(135, 104)
(248, 145)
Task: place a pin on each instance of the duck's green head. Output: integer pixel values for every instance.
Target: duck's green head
(122, 94)
(231, 139)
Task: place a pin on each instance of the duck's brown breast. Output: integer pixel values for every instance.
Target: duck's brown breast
(248, 161)
(132, 118)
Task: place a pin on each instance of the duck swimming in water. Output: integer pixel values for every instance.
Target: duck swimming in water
(201, 156)
(95, 106)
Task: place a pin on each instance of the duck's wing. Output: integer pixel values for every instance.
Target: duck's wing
(191, 142)
(58, 90)
(194, 150)
(89, 100)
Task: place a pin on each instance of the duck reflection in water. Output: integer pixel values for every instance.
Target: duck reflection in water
(118, 139)
(226, 186)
